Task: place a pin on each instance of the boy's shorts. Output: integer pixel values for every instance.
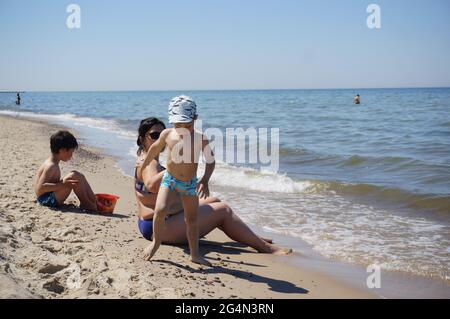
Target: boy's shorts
(48, 199)
(188, 188)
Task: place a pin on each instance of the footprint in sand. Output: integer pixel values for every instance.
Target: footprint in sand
(51, 268)
(54, 285)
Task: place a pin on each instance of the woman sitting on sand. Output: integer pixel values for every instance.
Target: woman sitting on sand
(212, 213)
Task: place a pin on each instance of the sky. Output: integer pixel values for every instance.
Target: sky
(223, 45)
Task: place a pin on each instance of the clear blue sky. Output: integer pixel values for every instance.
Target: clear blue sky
(223, 44)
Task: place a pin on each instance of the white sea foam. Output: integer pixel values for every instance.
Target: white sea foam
(132, 151)
(257, 180)
(72, 119)
(245, 178)
(340, 229)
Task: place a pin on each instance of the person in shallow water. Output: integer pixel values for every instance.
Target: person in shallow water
(212, 213)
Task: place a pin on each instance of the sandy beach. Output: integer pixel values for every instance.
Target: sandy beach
(68, 253)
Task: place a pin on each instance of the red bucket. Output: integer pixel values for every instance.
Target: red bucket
(106, 203)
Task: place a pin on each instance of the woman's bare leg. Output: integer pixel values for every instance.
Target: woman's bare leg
(211, 199)
(215, 215)
(208, 200)
(237, 230)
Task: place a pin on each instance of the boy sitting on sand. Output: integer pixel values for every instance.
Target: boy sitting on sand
(184, 147)
(50, 189)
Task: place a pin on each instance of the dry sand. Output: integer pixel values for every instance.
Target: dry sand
(67, 253)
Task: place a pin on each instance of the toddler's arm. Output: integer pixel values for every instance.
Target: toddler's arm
(203, 189)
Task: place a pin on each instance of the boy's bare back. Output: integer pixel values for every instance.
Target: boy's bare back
(48, 172)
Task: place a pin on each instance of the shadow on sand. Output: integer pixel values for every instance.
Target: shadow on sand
(233, 248)
(70, 208)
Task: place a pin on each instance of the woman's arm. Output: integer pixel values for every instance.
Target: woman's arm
(151, 177)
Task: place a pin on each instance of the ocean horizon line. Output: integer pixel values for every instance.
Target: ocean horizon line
(226, 90)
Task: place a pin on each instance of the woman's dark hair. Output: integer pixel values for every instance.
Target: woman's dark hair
(62, 139)
(144, 127)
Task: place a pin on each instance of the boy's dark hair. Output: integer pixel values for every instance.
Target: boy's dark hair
(62, 139)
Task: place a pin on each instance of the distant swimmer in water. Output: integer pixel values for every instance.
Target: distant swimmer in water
(357, 99)
(18, 99)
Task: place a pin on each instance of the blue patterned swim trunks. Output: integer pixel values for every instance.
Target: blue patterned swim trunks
(188, 188)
